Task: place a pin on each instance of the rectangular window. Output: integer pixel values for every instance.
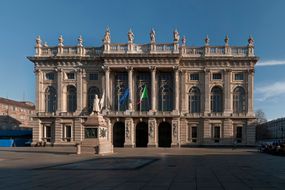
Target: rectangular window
(70, 76)
(239, 134)
(66, 133)
(217, 76)
(194, 134)
(91, 133)
(239, 76)
(50, 76)
(46, 133)
(217, 130)
(194, 76)
(93, 76)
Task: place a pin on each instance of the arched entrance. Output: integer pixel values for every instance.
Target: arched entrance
(141, 134)
(119, 134)
(164, 134)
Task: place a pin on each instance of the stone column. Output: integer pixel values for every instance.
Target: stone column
(38, 90)
(152, 136)
(184, 94)
(130, 84)
(153, 89)
(78, 130)
(79, 91)
(206, 93)
(129, 133)
(250, 84)
(228, 131)
(176, 79)
(84, 90)
(59, 90)
(57, 131)
(206, 132)
(107, 87)
(227, 92)
(175, 132)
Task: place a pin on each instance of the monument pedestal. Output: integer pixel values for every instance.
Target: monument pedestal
(96, 133)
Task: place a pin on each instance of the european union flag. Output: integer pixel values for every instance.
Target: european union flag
(124, 97)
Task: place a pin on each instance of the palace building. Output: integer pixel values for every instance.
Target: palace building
(153, 95)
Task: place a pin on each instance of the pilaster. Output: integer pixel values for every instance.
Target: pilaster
(227, 90)
(250, 84)
(152, 133)
(129, 133)
(79, 91)
(153, 89)
(175, 128)
(176, 79)
(206, 93)
(59, 90)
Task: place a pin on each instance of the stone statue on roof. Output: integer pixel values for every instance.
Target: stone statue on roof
(152, 36)
(131, 36)
(107, 36)
(176, 36)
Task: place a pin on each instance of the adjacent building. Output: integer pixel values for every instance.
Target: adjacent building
(271, 130)
(15, 114)
(153, 95)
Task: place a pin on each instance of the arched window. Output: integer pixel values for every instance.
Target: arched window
(71, 99)
(91, 95)
(50, 99)
(216, 99)
(239, 100)
(194, 100)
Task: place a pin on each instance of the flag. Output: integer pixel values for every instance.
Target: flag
(144, 95)
(124, 97)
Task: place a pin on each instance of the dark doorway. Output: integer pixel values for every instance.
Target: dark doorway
(141, 134)
(119, 134)
(164, 134)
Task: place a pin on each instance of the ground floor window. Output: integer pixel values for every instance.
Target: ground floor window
(67, 133)
(91, 133)
(239, 134)
(193, 134)
(46, 133)
(217, 134)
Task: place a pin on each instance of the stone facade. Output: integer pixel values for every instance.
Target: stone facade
(15, 114)
(196, 95)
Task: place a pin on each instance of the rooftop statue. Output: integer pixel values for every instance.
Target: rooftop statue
(107, 36)
(131, 36)
(152, 36)
(176, 36)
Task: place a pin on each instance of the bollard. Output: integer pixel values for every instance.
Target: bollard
(78, 148)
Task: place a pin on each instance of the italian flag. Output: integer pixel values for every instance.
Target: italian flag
(144, 95)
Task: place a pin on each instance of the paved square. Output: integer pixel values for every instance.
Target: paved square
(184, 168)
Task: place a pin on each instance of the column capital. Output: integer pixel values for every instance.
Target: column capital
(106, 68)
(251, 71)
(227, 70)
(152, 68)
(175, 68)
(37, 70)
(129, 68)
(206, 70)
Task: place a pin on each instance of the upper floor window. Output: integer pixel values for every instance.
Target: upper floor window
(239, 76)
(239, 100)
(93, 76)
(216, 99)
(217, 76)
(71, 99)
(70, 75)
(165, 92)
(50, 99)
(50, 76)
(194, 76)
(194, 100)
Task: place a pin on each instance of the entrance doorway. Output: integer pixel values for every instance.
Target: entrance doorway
(141, 134)
(164, 134)
(119, 134)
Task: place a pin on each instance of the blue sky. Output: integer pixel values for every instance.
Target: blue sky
(21, 21)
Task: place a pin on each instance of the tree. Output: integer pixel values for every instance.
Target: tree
(260, 117)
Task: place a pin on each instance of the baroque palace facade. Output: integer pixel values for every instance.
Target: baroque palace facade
(195, 95)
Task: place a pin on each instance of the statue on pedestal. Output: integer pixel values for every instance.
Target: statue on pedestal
(176, 36)
(107, 37)
(97, 105)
